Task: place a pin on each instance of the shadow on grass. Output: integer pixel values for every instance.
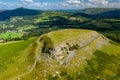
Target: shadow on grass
(102, 67)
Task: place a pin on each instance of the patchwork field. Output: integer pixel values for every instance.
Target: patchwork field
(10, 35)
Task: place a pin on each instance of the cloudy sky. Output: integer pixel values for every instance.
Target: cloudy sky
(58, 4)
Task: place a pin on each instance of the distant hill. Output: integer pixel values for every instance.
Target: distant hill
(67, 10)
(18, 12)
(100, 13)
(109, 14)
(97, 10)
(88, 13)
(1, 10)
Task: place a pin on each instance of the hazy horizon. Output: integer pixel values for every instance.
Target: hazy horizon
(63, 8)
(58, 4)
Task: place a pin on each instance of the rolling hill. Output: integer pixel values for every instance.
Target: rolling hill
(29, 23)
(18, 12)
(1, 10)
(97, 10)
(108, 14)
(100, 13)
(69, 54)
(88, 12)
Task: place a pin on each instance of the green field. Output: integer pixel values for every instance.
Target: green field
(27, 27)
(12, 54)
(10, 35)
(59, 36)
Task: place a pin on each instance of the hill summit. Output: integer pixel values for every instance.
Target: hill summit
(18, 12)
(65, 54)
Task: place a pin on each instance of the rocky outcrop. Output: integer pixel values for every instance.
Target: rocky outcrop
(72, 45)
(79, 41)
(48, 46)
(68, 48)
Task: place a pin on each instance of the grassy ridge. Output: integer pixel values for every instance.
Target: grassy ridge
(10, 48)
(89, 62)
(59, 36)
(10, 51)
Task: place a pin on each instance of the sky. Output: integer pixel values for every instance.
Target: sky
(58, 4)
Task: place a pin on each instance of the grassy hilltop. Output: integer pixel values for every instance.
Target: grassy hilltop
(70, 54)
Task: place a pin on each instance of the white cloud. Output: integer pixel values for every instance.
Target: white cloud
(28, 1)
(35, 5)
(103, 2)
(73, 1)
(70, 3)
(66, 4)
(39, 4)
(2, 3)
(114, 4)
(32, 4)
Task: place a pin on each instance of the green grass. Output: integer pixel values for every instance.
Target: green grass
(27, 27)
(8, 51)
(10, 35)
(47, 15)
(89, 63)
(10, 48)
(20, 61)
(59, 36)
(102, 67)
(112, 49)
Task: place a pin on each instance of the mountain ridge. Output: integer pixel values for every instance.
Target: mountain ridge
(88, 12)
(18, 12)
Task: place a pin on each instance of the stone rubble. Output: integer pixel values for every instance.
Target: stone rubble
(82, 41)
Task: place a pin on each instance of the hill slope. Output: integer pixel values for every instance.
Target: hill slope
(97, 10)
(100, 13)
(18, 12)
(63, 55)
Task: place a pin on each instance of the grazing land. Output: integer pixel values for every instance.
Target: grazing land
(60, 44)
